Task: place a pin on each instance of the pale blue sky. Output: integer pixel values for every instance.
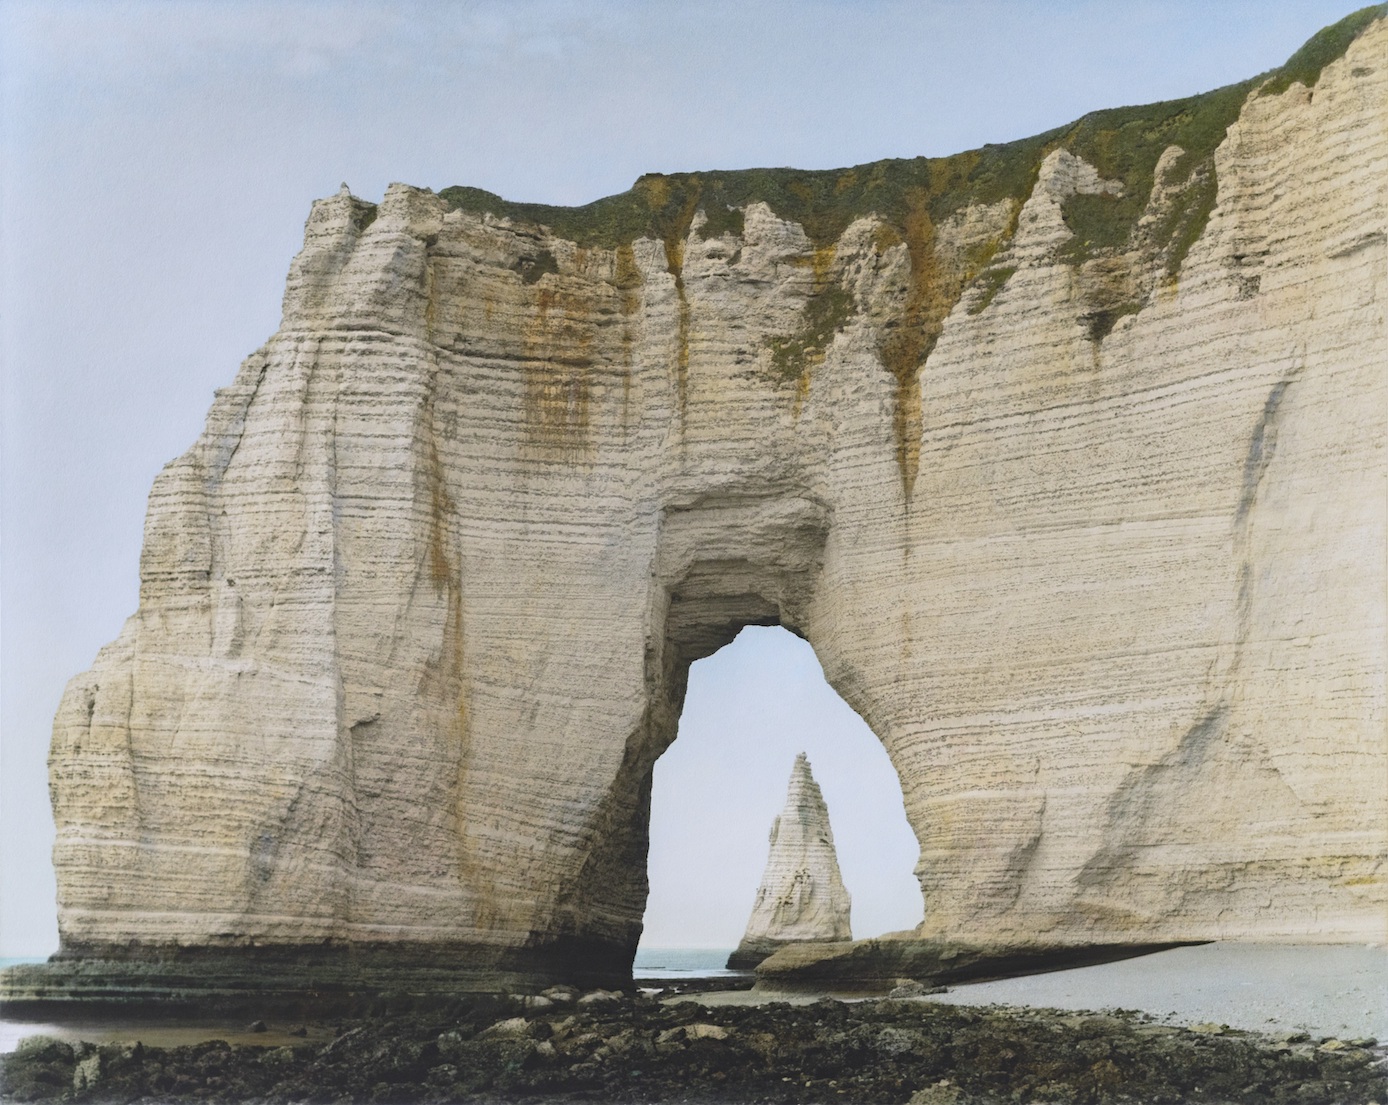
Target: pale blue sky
(157, 161)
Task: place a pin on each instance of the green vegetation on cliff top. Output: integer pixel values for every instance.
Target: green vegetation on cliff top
(1122, 143)
(912, 196)
(1321, 49)
(823, 201)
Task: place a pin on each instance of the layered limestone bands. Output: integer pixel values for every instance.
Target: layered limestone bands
(1092, 535)
(801, 897)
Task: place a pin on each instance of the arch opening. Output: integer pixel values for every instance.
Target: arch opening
(749, 708)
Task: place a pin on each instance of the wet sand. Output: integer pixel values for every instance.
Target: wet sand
(166, 1033)
(1325, 990)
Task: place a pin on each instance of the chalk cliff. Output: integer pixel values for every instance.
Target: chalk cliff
(801, 897)
(1069, 457)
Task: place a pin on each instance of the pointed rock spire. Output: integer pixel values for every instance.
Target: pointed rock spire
(802, 896)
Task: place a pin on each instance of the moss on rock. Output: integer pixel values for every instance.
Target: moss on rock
(826, 312)
(990, 282)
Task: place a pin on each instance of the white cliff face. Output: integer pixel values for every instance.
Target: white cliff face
(801, 896)
(1095, 546)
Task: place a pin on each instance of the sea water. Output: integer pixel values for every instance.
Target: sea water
(672, 964)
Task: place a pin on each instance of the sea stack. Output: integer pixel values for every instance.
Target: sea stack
(802, 897)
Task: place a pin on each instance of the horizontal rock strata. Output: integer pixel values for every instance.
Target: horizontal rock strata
(1069, 457)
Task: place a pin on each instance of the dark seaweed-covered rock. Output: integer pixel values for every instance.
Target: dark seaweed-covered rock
(638, 1049)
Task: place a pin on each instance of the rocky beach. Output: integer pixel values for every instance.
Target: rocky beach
(647, 1047)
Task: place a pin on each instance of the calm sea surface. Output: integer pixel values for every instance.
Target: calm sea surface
(677, 963)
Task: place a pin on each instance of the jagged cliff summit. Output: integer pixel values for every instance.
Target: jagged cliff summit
(1068, 456)
(801, 898)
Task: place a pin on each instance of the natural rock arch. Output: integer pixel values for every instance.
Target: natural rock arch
(725, 561)
(1087, 527)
